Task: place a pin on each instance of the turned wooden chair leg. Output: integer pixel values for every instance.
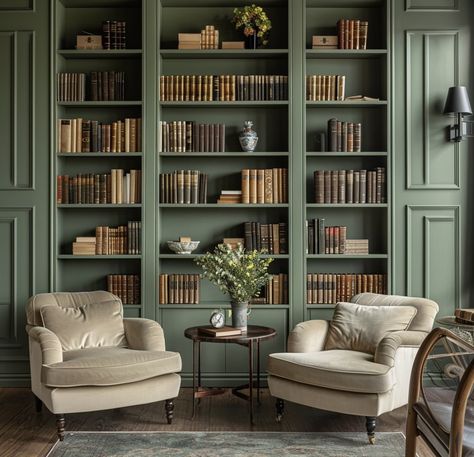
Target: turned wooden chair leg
(60, 424)
(370, 423)
(38, 404)
(169, 407)
(280, 409)
(412, 433)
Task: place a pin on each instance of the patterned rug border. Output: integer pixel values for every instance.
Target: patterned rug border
(158, 432)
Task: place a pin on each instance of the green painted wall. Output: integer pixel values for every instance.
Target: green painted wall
(428, 45)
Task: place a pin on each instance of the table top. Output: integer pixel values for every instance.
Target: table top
(254, 332)
(452, 322)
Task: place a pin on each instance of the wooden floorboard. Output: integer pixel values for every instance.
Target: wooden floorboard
(24, 433)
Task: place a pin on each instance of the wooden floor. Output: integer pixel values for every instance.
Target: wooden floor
(24, 433)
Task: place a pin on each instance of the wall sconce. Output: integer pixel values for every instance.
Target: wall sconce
(457, 103)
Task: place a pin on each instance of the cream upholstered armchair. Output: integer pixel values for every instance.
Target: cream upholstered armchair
(85, 356)
(358, 363)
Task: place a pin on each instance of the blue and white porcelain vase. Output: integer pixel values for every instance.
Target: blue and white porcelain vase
(248, 137)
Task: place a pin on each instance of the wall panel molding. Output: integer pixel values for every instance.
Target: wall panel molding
(17, 5)
(431, 5)
(433, 253)
(432, 65)
(17, 87)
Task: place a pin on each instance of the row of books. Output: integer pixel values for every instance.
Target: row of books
(322, 288)
(349, 186)
(207, 39)
(126, 287)
(179, 288)
(344, 136)
(124, 239)
(103, 86)
(223, 87)
(116, 187)
(271, 238)
(352, 34)
(268, 185)
(322, 239)
(114, 35)
(186, 136)
(82, 135)
(183, 187)
(325, 87)
(275, 291)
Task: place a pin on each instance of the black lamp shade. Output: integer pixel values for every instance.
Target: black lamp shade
(457, 101)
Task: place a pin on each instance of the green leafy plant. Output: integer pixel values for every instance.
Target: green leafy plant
(238, 273)
(253, 19)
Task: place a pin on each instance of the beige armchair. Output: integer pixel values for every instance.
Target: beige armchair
(84, 356)
(359, 363)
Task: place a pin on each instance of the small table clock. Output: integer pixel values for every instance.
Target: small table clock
(217, 319)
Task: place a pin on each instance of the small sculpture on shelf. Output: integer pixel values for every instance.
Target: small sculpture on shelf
(255, 23)
(183, 246)
(248, 137)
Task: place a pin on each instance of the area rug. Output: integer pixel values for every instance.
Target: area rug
(228, 444)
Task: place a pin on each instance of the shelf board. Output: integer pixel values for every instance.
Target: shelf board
(224, 154)
(344, 53)
(217, 305)
(99, 257)
(227, 205)
(223, 53)
(99, 53)
(346, 256)
(125, 305)
(320, 305)
(195, 256)
(98, 104)
(218, 104)
(343, 103)
(99, 154)
(98, 205)
(217, 3)
(347, 205)
(100, 3)
(346, 154)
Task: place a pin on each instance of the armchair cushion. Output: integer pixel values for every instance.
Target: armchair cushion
(361, 328)
(308, 336)
(350, 371)
(108, 366)
(87, 326)
(51, 350)
(144, 334)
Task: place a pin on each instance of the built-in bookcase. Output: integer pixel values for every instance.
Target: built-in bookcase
(78, 273)
(288, 138)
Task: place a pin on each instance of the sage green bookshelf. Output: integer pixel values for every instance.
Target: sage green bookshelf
(287, 133)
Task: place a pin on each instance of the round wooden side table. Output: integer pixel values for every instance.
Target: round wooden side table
(251, 339)
(464, 331)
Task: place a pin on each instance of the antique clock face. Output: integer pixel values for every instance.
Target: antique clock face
(217, 318)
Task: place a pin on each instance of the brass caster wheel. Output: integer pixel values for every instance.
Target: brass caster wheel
(278, 417)
(372, 439)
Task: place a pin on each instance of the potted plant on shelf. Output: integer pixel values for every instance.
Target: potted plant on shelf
(238, 273)
(255, 24)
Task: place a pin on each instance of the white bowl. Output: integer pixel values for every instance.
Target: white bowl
(179, 247)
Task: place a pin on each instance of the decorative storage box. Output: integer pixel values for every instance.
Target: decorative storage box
(89, 42)
(325, 41)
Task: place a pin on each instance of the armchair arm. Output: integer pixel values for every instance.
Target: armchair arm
(144, 334)
(308, 336)
(51, 349)
(387, 348)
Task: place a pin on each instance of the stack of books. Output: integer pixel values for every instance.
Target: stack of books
(325, 87)
(344, 136)
(265, 185)
(82, 135)
(234, 243)
(209, 37)
(119, 240)
(357, 247)
(275, 292)
(84, 245)
(230, 196)
(270, 238)
(233, 45)
(324, 240)
(179, 288)
(189, 41)
(71, 87)
(114, 35)
(126, 287)
(322, 288)
(349, 186)
(116, 187)
(183, 187)
(223, 87)
(186, 136)
(352, 34)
